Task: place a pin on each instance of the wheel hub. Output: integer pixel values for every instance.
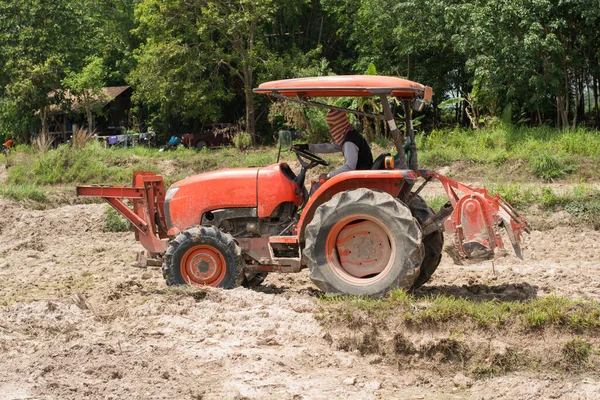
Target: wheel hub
(203, 265)
(363, 248)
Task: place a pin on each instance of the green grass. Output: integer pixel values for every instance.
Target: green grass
(447, 311)
(550, 153)
(114, 222)
(437, 202)
(582, 201)
(549, 167)
(577, 351)
(24, 191)
(449, 333)
(95, 164)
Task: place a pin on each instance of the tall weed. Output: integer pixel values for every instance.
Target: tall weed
(549, 167)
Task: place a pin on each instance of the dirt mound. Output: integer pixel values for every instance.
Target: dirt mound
(77, 320)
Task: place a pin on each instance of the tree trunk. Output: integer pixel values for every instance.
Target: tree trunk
(595, 79)
(589, 100)
(563, 112)
(577, 100)
(582, 96)
(564, 100)
(44, 127)
(249, 104)
(88, 111)
(248, 81)
(368, 132)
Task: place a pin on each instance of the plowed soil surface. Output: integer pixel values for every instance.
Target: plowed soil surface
(79, 321)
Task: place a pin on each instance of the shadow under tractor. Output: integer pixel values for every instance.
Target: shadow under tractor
(361, 232)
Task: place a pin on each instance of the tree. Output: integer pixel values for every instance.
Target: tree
(175, 77)
(86, 86)
(233, 34)
(38, 41)
(41, 42)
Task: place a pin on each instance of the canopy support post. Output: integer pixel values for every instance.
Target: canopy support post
(413, 162)
(398, 142)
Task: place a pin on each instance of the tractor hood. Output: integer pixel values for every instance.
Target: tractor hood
(260, 188)
(188, 199)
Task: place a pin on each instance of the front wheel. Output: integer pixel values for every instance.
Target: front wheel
(200, 145)
(203, 256)
(363, 242)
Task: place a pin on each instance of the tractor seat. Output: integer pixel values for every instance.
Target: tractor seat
(379, 161)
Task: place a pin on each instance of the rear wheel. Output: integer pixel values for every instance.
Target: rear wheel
(203, 256)
(363, 242)
(200, 145)
(433, 243)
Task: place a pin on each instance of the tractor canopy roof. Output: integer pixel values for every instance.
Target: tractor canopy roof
(346, 85)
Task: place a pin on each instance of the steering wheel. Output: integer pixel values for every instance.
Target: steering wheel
(313, 158)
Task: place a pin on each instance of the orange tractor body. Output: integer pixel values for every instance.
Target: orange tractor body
(361, 232)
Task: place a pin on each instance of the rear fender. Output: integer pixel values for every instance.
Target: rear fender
(389, 181)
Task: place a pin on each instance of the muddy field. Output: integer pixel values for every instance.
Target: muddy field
(79, 320)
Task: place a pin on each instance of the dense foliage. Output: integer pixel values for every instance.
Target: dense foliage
(533, 62)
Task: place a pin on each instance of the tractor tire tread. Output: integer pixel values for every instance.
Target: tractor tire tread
(433, 243)
(202, 234)
(368, 201)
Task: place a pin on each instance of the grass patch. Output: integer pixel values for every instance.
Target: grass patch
(24, 191)
(481, 338)
(437, 202)
(577, 351)
(437, 311)
(582, 201)
(114, 222)
(550, 153)
(95, 164)
(549, 167)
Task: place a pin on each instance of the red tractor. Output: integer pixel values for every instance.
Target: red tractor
(360, 233)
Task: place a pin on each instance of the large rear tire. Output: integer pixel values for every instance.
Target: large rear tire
(203, 256)
(364, 243)
(433, 243)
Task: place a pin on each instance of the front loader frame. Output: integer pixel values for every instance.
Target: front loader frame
(147, 194)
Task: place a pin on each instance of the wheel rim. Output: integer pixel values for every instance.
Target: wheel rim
(360, 250)
(203, 265)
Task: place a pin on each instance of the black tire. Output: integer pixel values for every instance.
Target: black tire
(203, 256)
(200, 145)
(381, 212)
(433, 243)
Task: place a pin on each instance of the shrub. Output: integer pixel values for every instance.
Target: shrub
(242, 140)
(81, 137)
(548, 166)
(113, 221)
(43, 142)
